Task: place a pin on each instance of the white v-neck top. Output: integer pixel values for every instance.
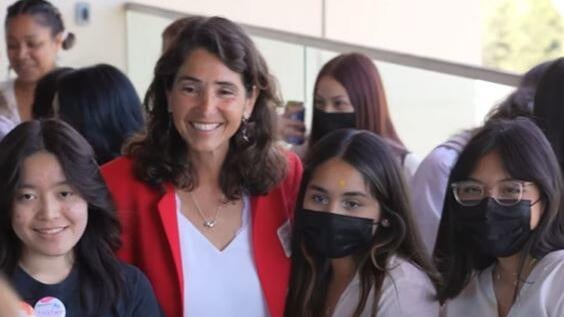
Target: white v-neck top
(219, 283)
(541, 296)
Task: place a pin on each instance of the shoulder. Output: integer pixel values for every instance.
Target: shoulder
(119, 172)
(551, 271)
(404, 271)
(124, 185)
(122, 164)
(441, 159)
(407, 291)
(410, 163)
(136, 284)
(131, 275)
(138, 297)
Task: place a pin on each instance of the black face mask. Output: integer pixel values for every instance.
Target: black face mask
(497, 230)
(335, 236)
(327, 122)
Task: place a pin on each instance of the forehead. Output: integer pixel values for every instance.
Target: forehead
(490, 168)
(26, 25)
(338, 176)
(328, 86)
(41, 168)
(203, 65)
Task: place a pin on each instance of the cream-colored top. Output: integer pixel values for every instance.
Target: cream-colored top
(9, 108)
(541, 296)
(406, 292)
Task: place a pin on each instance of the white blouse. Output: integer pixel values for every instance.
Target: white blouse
(220, 282)
(406, 292)
(541, 296)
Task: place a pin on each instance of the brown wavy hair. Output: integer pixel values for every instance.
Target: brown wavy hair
(161, 155)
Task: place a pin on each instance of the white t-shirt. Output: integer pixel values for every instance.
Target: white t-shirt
(406, 292)
(541, 296)
(219, 283)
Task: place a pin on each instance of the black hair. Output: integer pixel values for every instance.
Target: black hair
(102, 104)
(526, 155)
(372, 156)
(47, 15)
(98, 267)
(45, 92)
(549, 107)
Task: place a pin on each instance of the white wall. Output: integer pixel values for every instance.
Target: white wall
(446, 29)
(103, 41)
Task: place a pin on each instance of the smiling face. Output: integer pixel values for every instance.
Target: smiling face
(32, 49)
(337, 187)
(332, 97)
(208, 101)
(48, 215)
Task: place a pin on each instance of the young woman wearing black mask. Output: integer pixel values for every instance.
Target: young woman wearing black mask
(355, 250)
(500, 240)
(349, 93)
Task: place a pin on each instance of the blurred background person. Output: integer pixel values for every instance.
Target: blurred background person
(99, 101)
(349, 93)
(35, 33)
(429, 184)
(549, 107)
(171, 32)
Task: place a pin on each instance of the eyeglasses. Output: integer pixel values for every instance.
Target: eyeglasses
(506, 193)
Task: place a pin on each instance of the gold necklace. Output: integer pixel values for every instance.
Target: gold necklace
(498, 276)
(208, 223)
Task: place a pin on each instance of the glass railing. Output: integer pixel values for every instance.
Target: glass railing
(429, 100)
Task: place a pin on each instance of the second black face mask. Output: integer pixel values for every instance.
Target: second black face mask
(497, 230)
(327, 122)
(335, 236)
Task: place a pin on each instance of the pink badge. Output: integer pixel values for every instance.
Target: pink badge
(50, 307)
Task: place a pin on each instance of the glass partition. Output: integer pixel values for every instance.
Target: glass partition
(426, 107)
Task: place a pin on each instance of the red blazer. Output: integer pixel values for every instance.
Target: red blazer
(151, 241)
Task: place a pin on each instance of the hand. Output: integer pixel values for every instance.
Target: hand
(291, 130)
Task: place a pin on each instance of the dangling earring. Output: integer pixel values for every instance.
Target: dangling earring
(385, 223)
(244, 129)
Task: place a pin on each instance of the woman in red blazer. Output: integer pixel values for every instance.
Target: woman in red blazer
(206, 167)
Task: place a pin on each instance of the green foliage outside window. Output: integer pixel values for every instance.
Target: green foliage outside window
(519, 34)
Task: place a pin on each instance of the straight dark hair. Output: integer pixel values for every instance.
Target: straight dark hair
(361, 79)
(160, 155)
(98, 269)
(45, 92)
(526, 155)
(101, 103)
(371, 156)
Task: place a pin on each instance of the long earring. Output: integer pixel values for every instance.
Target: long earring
(244, 129)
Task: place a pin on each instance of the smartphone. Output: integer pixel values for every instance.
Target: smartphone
(297, 110)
